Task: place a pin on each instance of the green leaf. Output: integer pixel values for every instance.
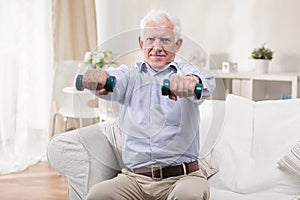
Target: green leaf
(262, 53)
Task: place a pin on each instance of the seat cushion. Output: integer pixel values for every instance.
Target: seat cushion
(232, 153)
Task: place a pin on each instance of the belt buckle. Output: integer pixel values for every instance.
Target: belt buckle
(153, 168)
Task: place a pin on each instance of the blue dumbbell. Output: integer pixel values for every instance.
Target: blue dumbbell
(165, 89)
(109, 86)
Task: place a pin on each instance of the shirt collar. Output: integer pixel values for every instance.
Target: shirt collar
(144, 67)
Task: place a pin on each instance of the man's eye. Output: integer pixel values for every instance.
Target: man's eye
(166, 40)
(150, 39)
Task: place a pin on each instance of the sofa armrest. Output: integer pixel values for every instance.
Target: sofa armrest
(85, 157)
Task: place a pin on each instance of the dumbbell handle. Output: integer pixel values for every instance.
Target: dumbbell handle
(109, 86)
(165, 89)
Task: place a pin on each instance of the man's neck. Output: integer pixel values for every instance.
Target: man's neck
(159, 68)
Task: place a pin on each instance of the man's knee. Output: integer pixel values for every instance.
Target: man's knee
(121, 187)
(99, 192)
(191, 188)
(188, 195)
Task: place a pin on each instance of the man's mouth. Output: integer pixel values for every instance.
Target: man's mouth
(155, 55)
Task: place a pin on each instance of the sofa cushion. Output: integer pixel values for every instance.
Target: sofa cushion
(232, 153)
(254, 137)
(276, 129)
(291, 160)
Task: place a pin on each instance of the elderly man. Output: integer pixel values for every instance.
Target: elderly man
(160, 135)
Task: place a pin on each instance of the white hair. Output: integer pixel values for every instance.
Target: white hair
(161, 16)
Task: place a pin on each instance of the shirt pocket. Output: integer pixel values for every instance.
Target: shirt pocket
(172, 110)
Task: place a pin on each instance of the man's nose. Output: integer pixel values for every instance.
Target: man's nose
(157, 44)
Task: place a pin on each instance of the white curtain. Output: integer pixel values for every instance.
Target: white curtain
(26, 64)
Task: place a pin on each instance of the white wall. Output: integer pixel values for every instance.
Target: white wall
(227, 29)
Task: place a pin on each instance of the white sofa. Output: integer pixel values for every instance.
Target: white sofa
(242, 139)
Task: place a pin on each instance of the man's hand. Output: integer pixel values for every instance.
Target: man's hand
(95, 79)
(182, 86)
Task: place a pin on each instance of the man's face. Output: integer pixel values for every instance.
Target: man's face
(158, 44)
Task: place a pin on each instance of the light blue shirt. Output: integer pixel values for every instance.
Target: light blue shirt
(156, 129)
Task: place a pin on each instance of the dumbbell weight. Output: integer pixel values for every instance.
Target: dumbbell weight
(109, 86)
(165, 89)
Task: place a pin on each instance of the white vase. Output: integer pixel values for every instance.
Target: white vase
(260, 66)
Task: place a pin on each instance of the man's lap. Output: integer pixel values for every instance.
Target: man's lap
(128, 185)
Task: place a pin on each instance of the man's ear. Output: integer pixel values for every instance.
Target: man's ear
(178, 44)
(140, 42)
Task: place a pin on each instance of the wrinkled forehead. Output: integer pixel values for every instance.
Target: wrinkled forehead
(159, 28)
(158, 32)
(164, 24)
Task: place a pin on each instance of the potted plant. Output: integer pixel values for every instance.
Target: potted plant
(261, 57)
(99, 59)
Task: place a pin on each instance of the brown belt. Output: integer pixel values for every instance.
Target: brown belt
(157, 172)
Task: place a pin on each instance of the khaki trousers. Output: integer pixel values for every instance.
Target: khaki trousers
(131, 186)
